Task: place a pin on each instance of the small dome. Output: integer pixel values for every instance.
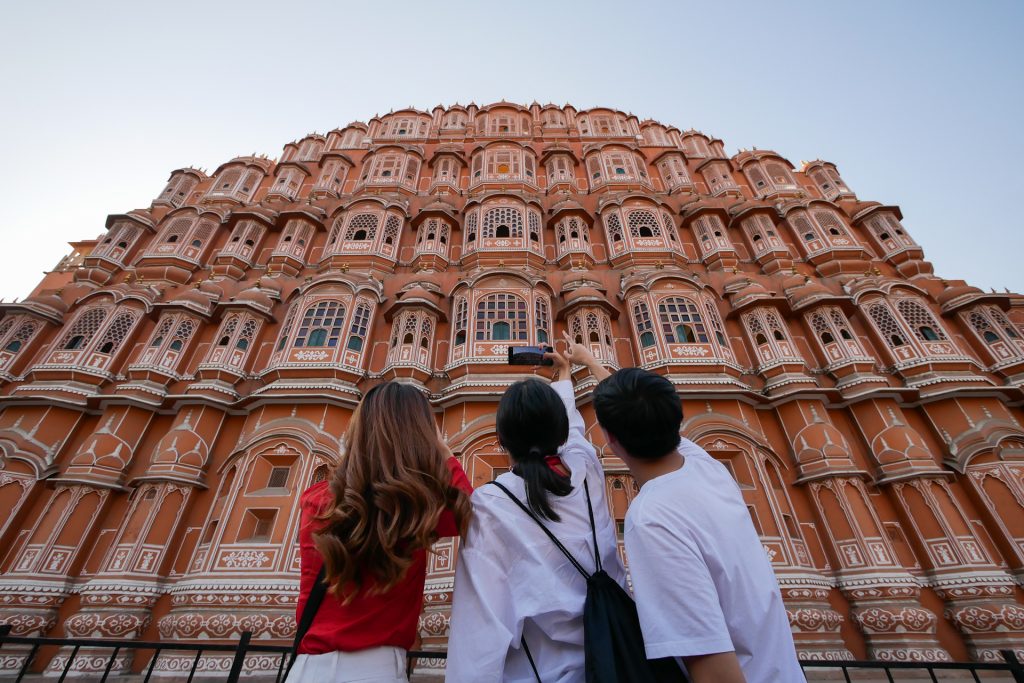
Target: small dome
(956, 291)
(48, 303)
(258, 296)
(583, 294)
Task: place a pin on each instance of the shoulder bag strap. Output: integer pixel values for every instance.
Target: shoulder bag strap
(554, 539)
(309, 610)
(593, 527)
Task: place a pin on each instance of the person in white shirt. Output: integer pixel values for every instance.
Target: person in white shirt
(511, 582)
(704, 588)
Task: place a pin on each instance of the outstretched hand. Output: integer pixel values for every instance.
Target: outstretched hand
(563, 368)
(581, 355)
(578, 353)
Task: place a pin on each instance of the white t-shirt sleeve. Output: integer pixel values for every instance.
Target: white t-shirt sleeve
(484, 620)
(577, 445)
(680, 614)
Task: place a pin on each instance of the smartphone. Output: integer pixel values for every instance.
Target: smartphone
(529, 355)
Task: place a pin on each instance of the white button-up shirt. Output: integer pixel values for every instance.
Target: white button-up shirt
(512, 581)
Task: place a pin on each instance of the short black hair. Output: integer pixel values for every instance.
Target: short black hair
(532, 423)
(641, 410)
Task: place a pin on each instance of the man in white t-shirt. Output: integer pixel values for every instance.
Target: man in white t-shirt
(704, 588)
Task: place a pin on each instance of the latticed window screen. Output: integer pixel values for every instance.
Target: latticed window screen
(614, 226)
(471, 227)
(116, 332)
(670, 227)
(643, 323)
(182, 334)
(120, 237)
(248, 333)
(84, 329)
(176, 230)
(501, 317)
(778, 173)
(542, 319)
(534, 221)
(681, 321)
(503, 221)
(227, 180)
(885, 322)
(804, 228)
(321, 325)
(643, 223)
(426, 330)
(766, 328)
(1001, 321)
(830, 223)
(920, 320)
(6, 324)
(714, 321)
(228, 330)
(391, 229)
(757, 178)
(21, 335)
(461, 320)
(362, 227)
(576, 329)
(830, 325)
(357, 333)
(162, 330)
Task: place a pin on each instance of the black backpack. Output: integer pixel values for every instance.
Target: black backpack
(613, 644)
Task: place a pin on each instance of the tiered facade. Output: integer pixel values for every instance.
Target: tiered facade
(172, 386)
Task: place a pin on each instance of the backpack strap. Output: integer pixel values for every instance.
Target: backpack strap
(309, 610)
(593, 527)
(533, 665)
(554, 539)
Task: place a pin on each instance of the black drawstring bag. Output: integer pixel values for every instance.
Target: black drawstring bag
(613, 644)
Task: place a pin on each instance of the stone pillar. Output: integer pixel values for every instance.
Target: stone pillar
(884, 597)
(117, 603)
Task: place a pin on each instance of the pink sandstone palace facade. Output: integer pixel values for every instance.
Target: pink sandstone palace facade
(168, 391)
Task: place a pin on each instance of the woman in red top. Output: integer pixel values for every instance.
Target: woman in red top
(394, 492)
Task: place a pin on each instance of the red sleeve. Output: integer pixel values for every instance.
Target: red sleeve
(446, 526)
(312, 502)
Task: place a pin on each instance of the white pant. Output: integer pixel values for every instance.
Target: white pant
(375, 665)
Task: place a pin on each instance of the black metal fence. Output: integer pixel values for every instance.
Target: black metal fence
(30, 649)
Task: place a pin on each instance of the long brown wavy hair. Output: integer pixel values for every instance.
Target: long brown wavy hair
(390, 489)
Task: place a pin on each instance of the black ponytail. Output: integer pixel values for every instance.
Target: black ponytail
(532, 424)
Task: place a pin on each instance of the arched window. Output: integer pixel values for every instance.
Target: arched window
(503, 221)
(362, 227)
(887, 325)
(920, 320)
(541, 319)
(15, 333)
(360, 323)
(994, 328)
(84, 328)
(501, 317)
(768, 332)
(320, 325)
(681, 321)
(234, 338)
(461, 320)
(643, 223)
(643, 324)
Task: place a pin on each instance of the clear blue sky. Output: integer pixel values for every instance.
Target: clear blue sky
(918, 103)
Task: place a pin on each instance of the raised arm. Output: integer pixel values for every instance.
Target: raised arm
(577, 443)
(581, 355)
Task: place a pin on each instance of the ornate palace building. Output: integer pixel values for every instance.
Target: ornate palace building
(169, 390)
